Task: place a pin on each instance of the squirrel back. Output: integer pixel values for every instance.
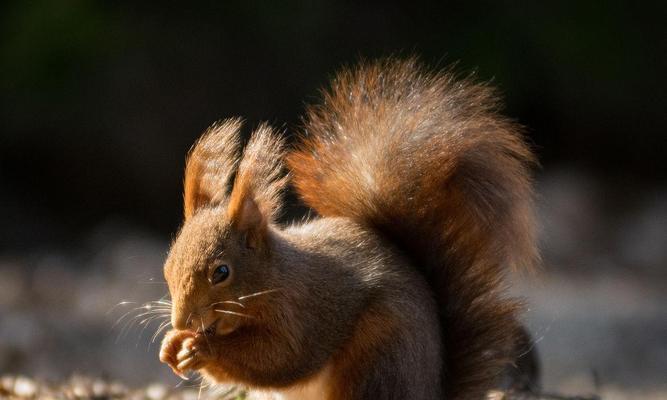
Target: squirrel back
(425, 159)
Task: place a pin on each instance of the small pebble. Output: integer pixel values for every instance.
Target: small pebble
(80, 390)
(100, 388)
(156, 391)
(117, 389)
(7, 383)
(24, 387)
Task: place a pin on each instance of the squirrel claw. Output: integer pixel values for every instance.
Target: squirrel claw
(180, 374)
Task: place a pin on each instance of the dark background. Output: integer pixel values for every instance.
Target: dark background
(100, 102)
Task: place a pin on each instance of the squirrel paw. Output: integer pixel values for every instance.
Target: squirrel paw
(185, 350)
(172, 344)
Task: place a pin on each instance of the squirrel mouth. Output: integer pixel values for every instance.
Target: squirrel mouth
(210, 330)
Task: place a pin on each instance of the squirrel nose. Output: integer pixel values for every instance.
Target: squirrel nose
(181, 320)
(194, 321)
(179, 323)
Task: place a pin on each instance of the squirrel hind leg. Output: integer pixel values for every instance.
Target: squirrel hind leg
(523, 375)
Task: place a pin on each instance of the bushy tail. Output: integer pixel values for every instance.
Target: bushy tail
(425, 159)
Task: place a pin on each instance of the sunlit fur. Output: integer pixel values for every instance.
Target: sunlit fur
(211, 163)
(424, 158)
(395, 292)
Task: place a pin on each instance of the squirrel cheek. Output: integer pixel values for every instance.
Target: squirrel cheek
(227, 325)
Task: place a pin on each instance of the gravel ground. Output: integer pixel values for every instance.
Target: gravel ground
(85, 388)
(79, 387)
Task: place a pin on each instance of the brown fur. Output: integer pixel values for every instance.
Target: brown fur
(396, 291)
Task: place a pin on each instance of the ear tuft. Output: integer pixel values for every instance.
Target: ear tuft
(210, 165)
(255, 198)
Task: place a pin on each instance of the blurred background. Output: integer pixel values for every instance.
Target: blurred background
(100, 102)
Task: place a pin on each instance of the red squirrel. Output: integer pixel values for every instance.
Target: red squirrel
(423, 197)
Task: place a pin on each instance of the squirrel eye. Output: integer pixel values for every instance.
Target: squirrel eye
(220, 274)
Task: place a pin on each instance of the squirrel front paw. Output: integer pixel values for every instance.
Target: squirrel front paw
(185, 350)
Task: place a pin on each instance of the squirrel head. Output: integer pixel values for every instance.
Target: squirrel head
(221, 256)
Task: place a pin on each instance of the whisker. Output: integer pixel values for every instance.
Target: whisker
(258, 294)
(203, 329)
(187, 321)
(150, 314)
(228, 302)
(153, 315)
(149, 307)
(129, 324)
(235, 313)
(143, 307)
(144, 316)
(187, 384)
(147, 310)
(157, 310)
(126, 328)
(141, 332)
(122, 317)
(162, 327)
(147, 321)
(157, 305)
(122, 303)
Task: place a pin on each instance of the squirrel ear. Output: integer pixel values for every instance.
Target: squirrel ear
(248, 219)
(255, 198)
(210, 165)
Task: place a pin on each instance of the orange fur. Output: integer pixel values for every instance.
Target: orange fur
(210, 166)
(426, 160)
(259, 175)
(396, 291)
